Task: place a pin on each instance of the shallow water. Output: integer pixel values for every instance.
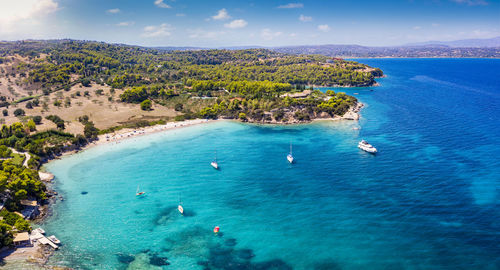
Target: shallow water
(428, 200)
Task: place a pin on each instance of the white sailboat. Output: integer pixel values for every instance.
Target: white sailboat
(138, 192)
(180, 208)
(289, 157)
(214, 162)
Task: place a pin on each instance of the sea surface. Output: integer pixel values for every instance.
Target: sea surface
(428, 200)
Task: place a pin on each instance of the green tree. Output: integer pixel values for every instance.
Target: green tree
(5, 112)
(37, 119)
(19, 112)
(86, 82)
(178, 107)
(242, 116)
(90, 131)
(22, 225)
(31, 125)
(146, 105)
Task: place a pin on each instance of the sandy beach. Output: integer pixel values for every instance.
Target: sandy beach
(115, 137)
(127, 133)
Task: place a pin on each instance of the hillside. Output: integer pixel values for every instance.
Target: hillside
(116, 85)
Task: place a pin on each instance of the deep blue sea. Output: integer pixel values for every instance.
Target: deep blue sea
(428, 200)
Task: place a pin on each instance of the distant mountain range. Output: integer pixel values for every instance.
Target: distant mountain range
(479, 48)
(181, 48)
(424, 51)
(460, 48)
(476, 43)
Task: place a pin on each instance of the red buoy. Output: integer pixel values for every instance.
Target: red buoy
(216, 229)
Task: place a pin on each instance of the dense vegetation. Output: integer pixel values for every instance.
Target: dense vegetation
(18, 182)
(151, 76)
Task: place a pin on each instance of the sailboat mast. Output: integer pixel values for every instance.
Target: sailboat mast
(290, 148)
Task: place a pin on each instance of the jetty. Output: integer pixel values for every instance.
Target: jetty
(38, 236)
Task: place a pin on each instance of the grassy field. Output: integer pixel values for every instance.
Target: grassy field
(104, 109)
(18, 159)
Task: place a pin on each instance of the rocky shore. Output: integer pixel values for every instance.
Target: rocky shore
(291, 118)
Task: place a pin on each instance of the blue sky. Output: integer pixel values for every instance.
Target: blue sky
(239, 23)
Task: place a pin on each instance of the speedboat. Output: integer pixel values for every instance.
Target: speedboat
(181, 209)
(54, 239)
(365, 146)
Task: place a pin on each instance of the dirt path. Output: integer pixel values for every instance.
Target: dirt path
(26, 154)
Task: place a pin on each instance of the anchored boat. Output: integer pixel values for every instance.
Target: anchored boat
(139, 193)
(289, 157)
(365, 146)
(214, 162)
(179, 207)
(54, 239)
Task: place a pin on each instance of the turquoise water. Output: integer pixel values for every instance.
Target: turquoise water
(428, 200)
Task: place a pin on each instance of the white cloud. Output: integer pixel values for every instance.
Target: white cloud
(123, 24)
(417, 27)
(267, 34)
(221, 15)
(113, 10)
(303, 18)
(202, 34)
(236, 24)
(293, 35)
(292, 5)
(161, 4)
(471, 2)
(180, 14)
(483, 33)
(14, 12)
(324, 27)
(162, 30)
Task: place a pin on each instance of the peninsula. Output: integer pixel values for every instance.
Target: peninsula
(58, 96)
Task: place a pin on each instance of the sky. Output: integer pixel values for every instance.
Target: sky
(204, 23)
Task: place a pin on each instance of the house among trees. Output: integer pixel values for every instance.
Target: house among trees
(22, 239)
(30, 210)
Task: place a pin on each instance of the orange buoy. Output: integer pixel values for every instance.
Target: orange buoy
(216, 229)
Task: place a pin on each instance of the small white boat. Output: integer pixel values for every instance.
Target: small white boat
(54, 239)
(214, 162)
(181, 209)
(289, 157)
(139, 193)
(365, 146)
(38, 230)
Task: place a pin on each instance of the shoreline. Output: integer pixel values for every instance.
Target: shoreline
(127, 133)
(38, 255)
(115, 137)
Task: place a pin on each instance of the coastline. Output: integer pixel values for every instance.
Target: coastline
(115, 137)
(126, 133)
(36, 256)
